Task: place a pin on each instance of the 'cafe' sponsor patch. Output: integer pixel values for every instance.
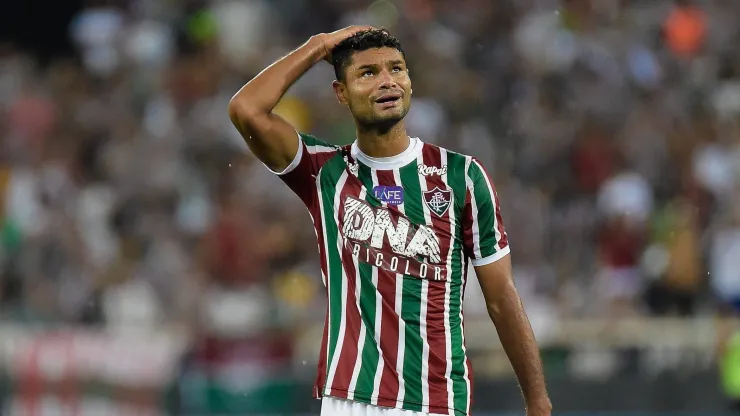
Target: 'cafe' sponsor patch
(391, 195)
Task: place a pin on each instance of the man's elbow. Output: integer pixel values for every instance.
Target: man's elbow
(494, 309)
(241, 112)
(505, 300)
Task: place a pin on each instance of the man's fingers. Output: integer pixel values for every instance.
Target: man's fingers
(354, 29)
(364, 28)
(336, 37)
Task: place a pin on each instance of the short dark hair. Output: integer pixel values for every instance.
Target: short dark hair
(341, 55)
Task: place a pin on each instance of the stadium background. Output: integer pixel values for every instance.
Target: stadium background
(148, 264)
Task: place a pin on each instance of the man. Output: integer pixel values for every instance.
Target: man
(397, 221)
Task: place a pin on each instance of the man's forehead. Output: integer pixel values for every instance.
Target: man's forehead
(376, 56)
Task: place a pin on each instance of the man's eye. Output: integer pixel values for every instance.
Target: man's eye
(367, 73)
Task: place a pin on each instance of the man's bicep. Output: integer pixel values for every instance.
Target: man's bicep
(269, 136)
(485, 235)
(495, 277)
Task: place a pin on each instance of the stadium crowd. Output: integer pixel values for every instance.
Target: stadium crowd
(610, 127)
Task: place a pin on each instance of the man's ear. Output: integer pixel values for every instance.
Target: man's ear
(340, 90)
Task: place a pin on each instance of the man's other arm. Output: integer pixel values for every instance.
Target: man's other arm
(488, 246)
(507, 313)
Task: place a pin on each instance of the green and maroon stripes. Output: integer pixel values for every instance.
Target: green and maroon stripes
(314, 179)
(393, 340)
(364, 382)
(486, 236)
(313, 155)
(438, 310)
(348, 355)
(437, 327)
(499, 231)
(330, 180)
(398, 310)
(411, 300)
(456, 370)
(387, 371)
(457, 166)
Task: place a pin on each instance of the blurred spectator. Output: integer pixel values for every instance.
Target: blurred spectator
(620, 281)
(232, 254)
(724, 255)
(626, 195)
(593, 159)
(678, 283)
(685, 28)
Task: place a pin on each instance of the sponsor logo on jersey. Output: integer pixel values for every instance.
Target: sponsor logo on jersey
(391, 195)
(432, 170)
(388, 240)
(438, 200)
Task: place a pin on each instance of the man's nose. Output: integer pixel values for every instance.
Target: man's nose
(386, 80)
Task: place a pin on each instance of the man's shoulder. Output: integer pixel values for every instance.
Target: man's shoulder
(450, 152)
(453, 157)
(316, 145)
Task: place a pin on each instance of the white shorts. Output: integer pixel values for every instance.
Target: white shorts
(331, 406)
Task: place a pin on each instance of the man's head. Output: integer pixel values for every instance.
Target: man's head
(372, 78)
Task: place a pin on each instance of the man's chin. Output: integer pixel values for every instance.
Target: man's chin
(385, 123)
(382, 121)
(389, 117)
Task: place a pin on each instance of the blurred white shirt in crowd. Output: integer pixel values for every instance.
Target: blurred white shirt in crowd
(243, 28)
(726, 99)
(713, 168)
(95, 31)
(94, 207)
(544, 44)
(725, 264)
(22, 205)
(426, 119)
(150, 43)
(628, 194)
(131, 306)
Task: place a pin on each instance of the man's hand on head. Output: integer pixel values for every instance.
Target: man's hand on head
(330, 40)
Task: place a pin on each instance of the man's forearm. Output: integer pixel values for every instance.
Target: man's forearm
(265, 90)
(517, 338)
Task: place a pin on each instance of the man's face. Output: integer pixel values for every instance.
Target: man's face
(377, 87)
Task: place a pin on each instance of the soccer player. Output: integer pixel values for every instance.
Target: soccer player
(397, 221)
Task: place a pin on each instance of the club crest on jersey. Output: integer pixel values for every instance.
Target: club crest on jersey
(391, 195)
(438, 200)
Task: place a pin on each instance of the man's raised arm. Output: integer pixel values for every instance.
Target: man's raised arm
(272, 139)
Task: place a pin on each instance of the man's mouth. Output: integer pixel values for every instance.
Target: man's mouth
(388, 100)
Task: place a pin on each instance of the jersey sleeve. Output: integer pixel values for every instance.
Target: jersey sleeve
(300, 175)
(485, 239)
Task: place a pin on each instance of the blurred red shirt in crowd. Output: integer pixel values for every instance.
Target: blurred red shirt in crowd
(592, 160)
(621, 243)
(233, 255)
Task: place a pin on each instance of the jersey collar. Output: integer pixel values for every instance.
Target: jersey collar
(389, 163)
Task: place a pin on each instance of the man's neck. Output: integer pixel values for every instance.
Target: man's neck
(391, 142)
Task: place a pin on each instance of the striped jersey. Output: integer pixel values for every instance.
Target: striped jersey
(395, 239)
